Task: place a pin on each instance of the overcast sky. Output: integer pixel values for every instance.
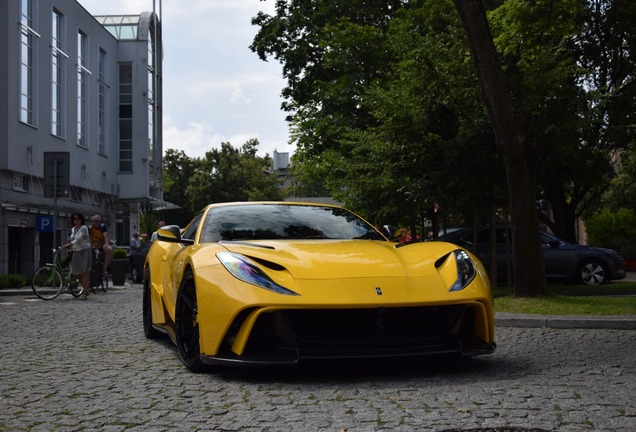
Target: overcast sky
(215, 88)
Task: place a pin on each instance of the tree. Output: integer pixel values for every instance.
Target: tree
(571, 71)
(231, 174)
(330, 52)
(431, 146)
(178, 169)
(518, 153)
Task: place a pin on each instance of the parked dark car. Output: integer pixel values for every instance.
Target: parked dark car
(136, 262)
(564, 262)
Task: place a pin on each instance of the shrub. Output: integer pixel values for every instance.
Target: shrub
(615, 230)
(12, 281)
(119, 253)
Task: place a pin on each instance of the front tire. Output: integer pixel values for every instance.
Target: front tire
(593, 273)
(187, 324)
(47, 283)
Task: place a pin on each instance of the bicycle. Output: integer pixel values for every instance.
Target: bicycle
(52, 279)
(98, 279)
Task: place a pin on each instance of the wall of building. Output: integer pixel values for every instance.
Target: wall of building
(31, 221)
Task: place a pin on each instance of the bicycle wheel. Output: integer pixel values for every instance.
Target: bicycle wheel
(104, 283)
(47, 283)
(94, 281)
(74, 287)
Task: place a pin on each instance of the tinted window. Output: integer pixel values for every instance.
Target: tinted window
(483, 237)
(191, 230)
(279, 221)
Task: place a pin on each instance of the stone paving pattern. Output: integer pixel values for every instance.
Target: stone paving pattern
(69, 365)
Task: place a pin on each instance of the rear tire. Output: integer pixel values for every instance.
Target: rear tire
(187, 324)
(47, 283)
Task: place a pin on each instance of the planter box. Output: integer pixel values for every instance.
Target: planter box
(118, 271)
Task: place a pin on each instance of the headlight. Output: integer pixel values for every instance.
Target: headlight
(466, 271)
(246, 270)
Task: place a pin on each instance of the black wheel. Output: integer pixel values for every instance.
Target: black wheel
(135, 275)
(47, 283)
(187, 324)
(149, 331)
(94, 281)
(593, 272)
(104, 283)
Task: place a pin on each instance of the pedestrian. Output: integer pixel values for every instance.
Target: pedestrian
(82, 260)
(101, 240)
(134, 242)
(159, 225)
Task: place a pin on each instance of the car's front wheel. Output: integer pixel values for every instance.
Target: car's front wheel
(187, 324)
(593, 272)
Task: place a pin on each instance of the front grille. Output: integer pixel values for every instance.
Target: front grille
(357, 333)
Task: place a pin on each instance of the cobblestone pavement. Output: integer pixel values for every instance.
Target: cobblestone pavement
(68, 365)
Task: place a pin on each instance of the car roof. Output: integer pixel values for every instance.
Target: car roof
(246, 203)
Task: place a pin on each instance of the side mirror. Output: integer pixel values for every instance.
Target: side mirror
(172, 234)
(391, 232)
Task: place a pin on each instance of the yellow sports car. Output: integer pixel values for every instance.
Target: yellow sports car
(280, 283)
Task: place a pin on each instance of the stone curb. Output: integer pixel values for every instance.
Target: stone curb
(617, 322)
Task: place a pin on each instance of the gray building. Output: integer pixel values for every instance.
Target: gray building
(80, 124)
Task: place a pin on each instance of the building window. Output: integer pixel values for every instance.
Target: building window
(27, 39)
(76, 194)
(82, 74)
(101, 104)
(151, 108)
(123, 27)
(20, 183)
(57, 62)
(125, 118)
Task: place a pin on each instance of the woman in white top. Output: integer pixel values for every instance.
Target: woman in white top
(82, 260)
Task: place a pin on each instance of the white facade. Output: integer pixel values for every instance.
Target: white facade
(81, 110)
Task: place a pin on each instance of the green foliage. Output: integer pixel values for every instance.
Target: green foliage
(223, 175)
(178, 169)
(330, 51)
(615, 230)
(571, 305)
(12, 281)
(622, 191)
(230, 174)
(119, 253)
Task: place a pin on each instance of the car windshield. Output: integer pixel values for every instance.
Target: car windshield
(284, 221)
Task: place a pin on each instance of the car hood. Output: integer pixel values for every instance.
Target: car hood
(337, 259)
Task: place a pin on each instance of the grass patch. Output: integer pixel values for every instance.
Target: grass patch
(617, 298)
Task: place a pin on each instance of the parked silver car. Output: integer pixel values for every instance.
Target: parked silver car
(564, 262)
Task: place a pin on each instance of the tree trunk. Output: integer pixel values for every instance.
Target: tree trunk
(518, 154)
